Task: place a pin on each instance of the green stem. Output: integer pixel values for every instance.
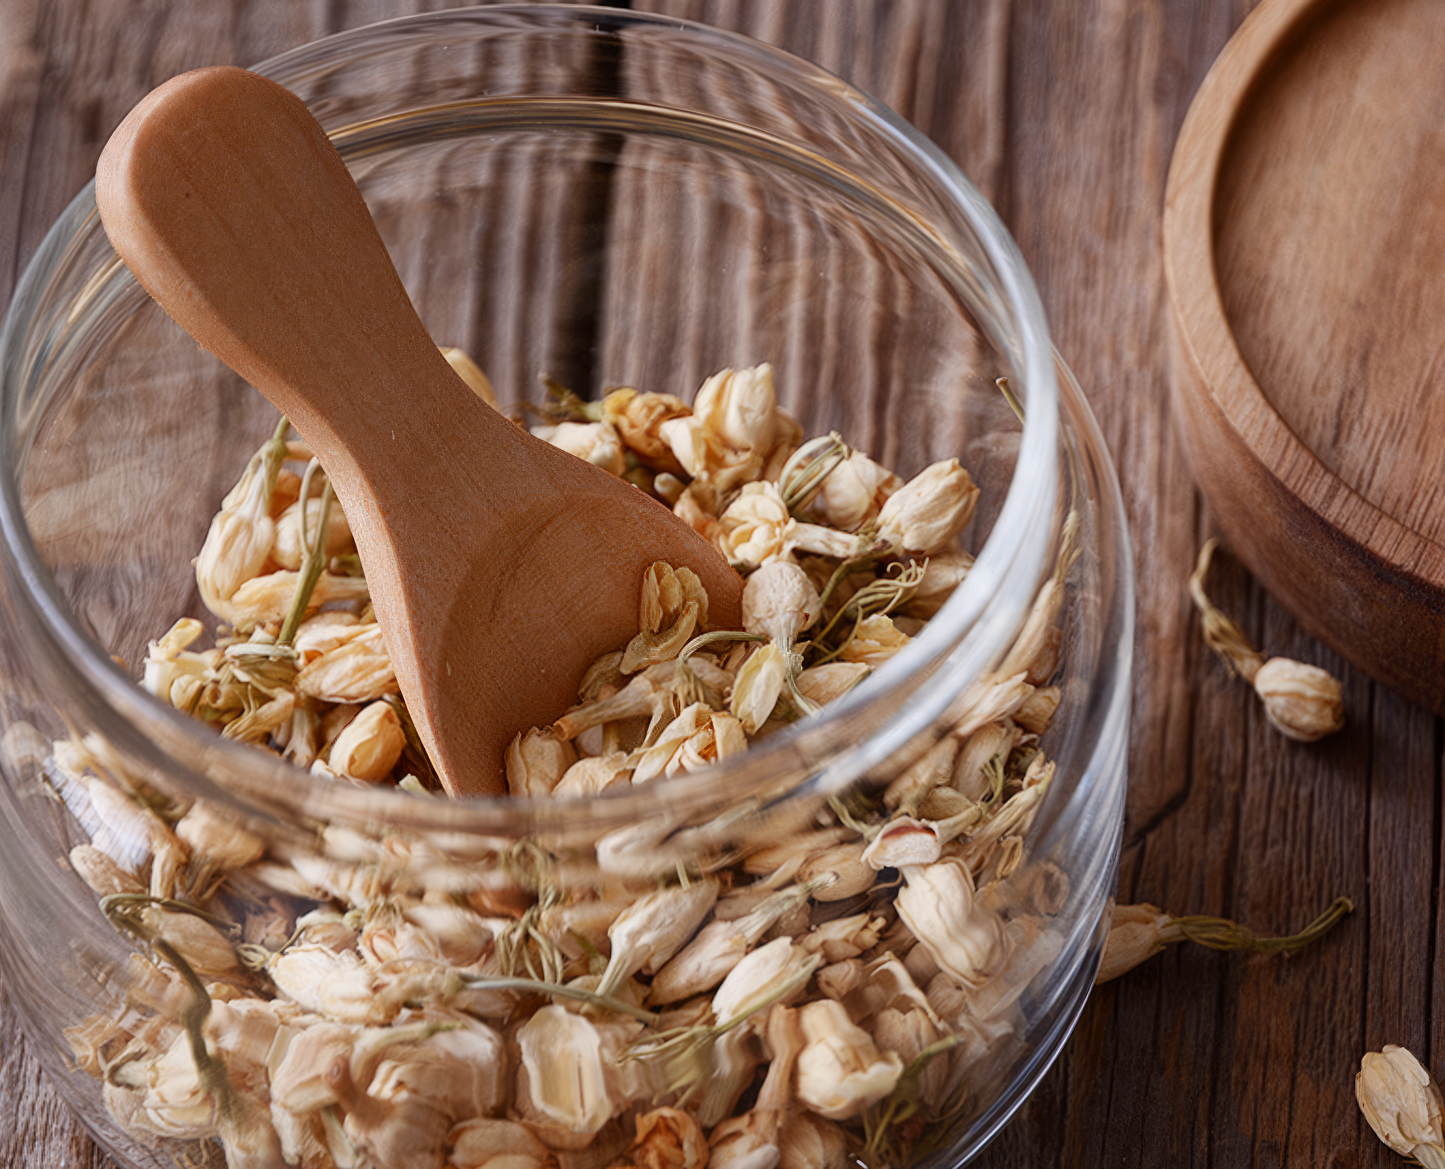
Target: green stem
(312, 561)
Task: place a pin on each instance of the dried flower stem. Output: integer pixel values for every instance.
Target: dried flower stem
(901, 1104)
(799, 481)
(1010, 397)
(1221, 634)
(559, 990)
(118, 906)
(877, 598)
(1220, 933)
(312, 561)
(687, 1051)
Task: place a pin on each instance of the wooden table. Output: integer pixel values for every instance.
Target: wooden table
(1064, 113)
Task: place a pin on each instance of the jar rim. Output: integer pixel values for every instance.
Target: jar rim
(1015, 550)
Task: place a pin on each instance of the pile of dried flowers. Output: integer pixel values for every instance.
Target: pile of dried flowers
(371, 1000)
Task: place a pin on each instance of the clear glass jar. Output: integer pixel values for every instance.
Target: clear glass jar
(609, 198)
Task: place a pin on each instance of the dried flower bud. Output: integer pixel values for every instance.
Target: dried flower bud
(668, 1138)
(934, 769)
(665, 592)
(460, 934)
(648, 649)
(240, 536)
(1402, 1104)
(806, 1141)
(1137, 933)
(1036, 713)
(718, 948)
(838, 873)
(822, 684)
(745, 1142)
(937, 905)
(759, 685)
(358, 670)
(324, 631)
(876, 640)
(696, 738)
(990, 744)
(176, 1104)
(265, 600)
(908, 1034)
(902, 841)
(535, 762)
(1141, 931)
(594, 442)
(497, 1143)
(756, 980)
(731, 430)
(694, 507)
(853, 492)
(456, 1069)
(471, 373)
(639, 419)
(105, 877)
(926, 514)
(205, 949)
(565, 1080)
(218, 838)
(477, 1143)
(942, 573)
(755, 527)
(840, 979)
(172, 674)
(288, 549)
(789, 856)
(779, 602)
(592, 777)
(843, 937)
(751, 1141)
(840, 1070)
(1302, 702)
(653, 928)
(370, 745)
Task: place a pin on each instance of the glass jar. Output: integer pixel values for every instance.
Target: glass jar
(607, 198)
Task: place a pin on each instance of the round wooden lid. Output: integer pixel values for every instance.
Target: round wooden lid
(1304, 242)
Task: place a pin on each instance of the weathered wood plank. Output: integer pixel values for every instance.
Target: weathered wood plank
(1064, 114)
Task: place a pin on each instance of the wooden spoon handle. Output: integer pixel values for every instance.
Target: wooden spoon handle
(316, 318)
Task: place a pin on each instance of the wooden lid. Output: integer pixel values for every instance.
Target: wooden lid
(1304, 237)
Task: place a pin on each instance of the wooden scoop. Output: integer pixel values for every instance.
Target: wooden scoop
(500, 567)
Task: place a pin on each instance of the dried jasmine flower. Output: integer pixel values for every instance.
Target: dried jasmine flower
(370, 744)
(669, 1138)
(536, 760)
(731, 429)
(564, 1077)
(927, 513)
(1139, 932)
(1402, 1104)
(597, 443)
(779, 602)
(937, 905)
(640, 981)
(840, 1069)
(242, 532)
(1302, 702)
(355, 670)
(653, 928)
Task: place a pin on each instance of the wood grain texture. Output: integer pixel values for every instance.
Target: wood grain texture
(1308, 300)
(1064, 112)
